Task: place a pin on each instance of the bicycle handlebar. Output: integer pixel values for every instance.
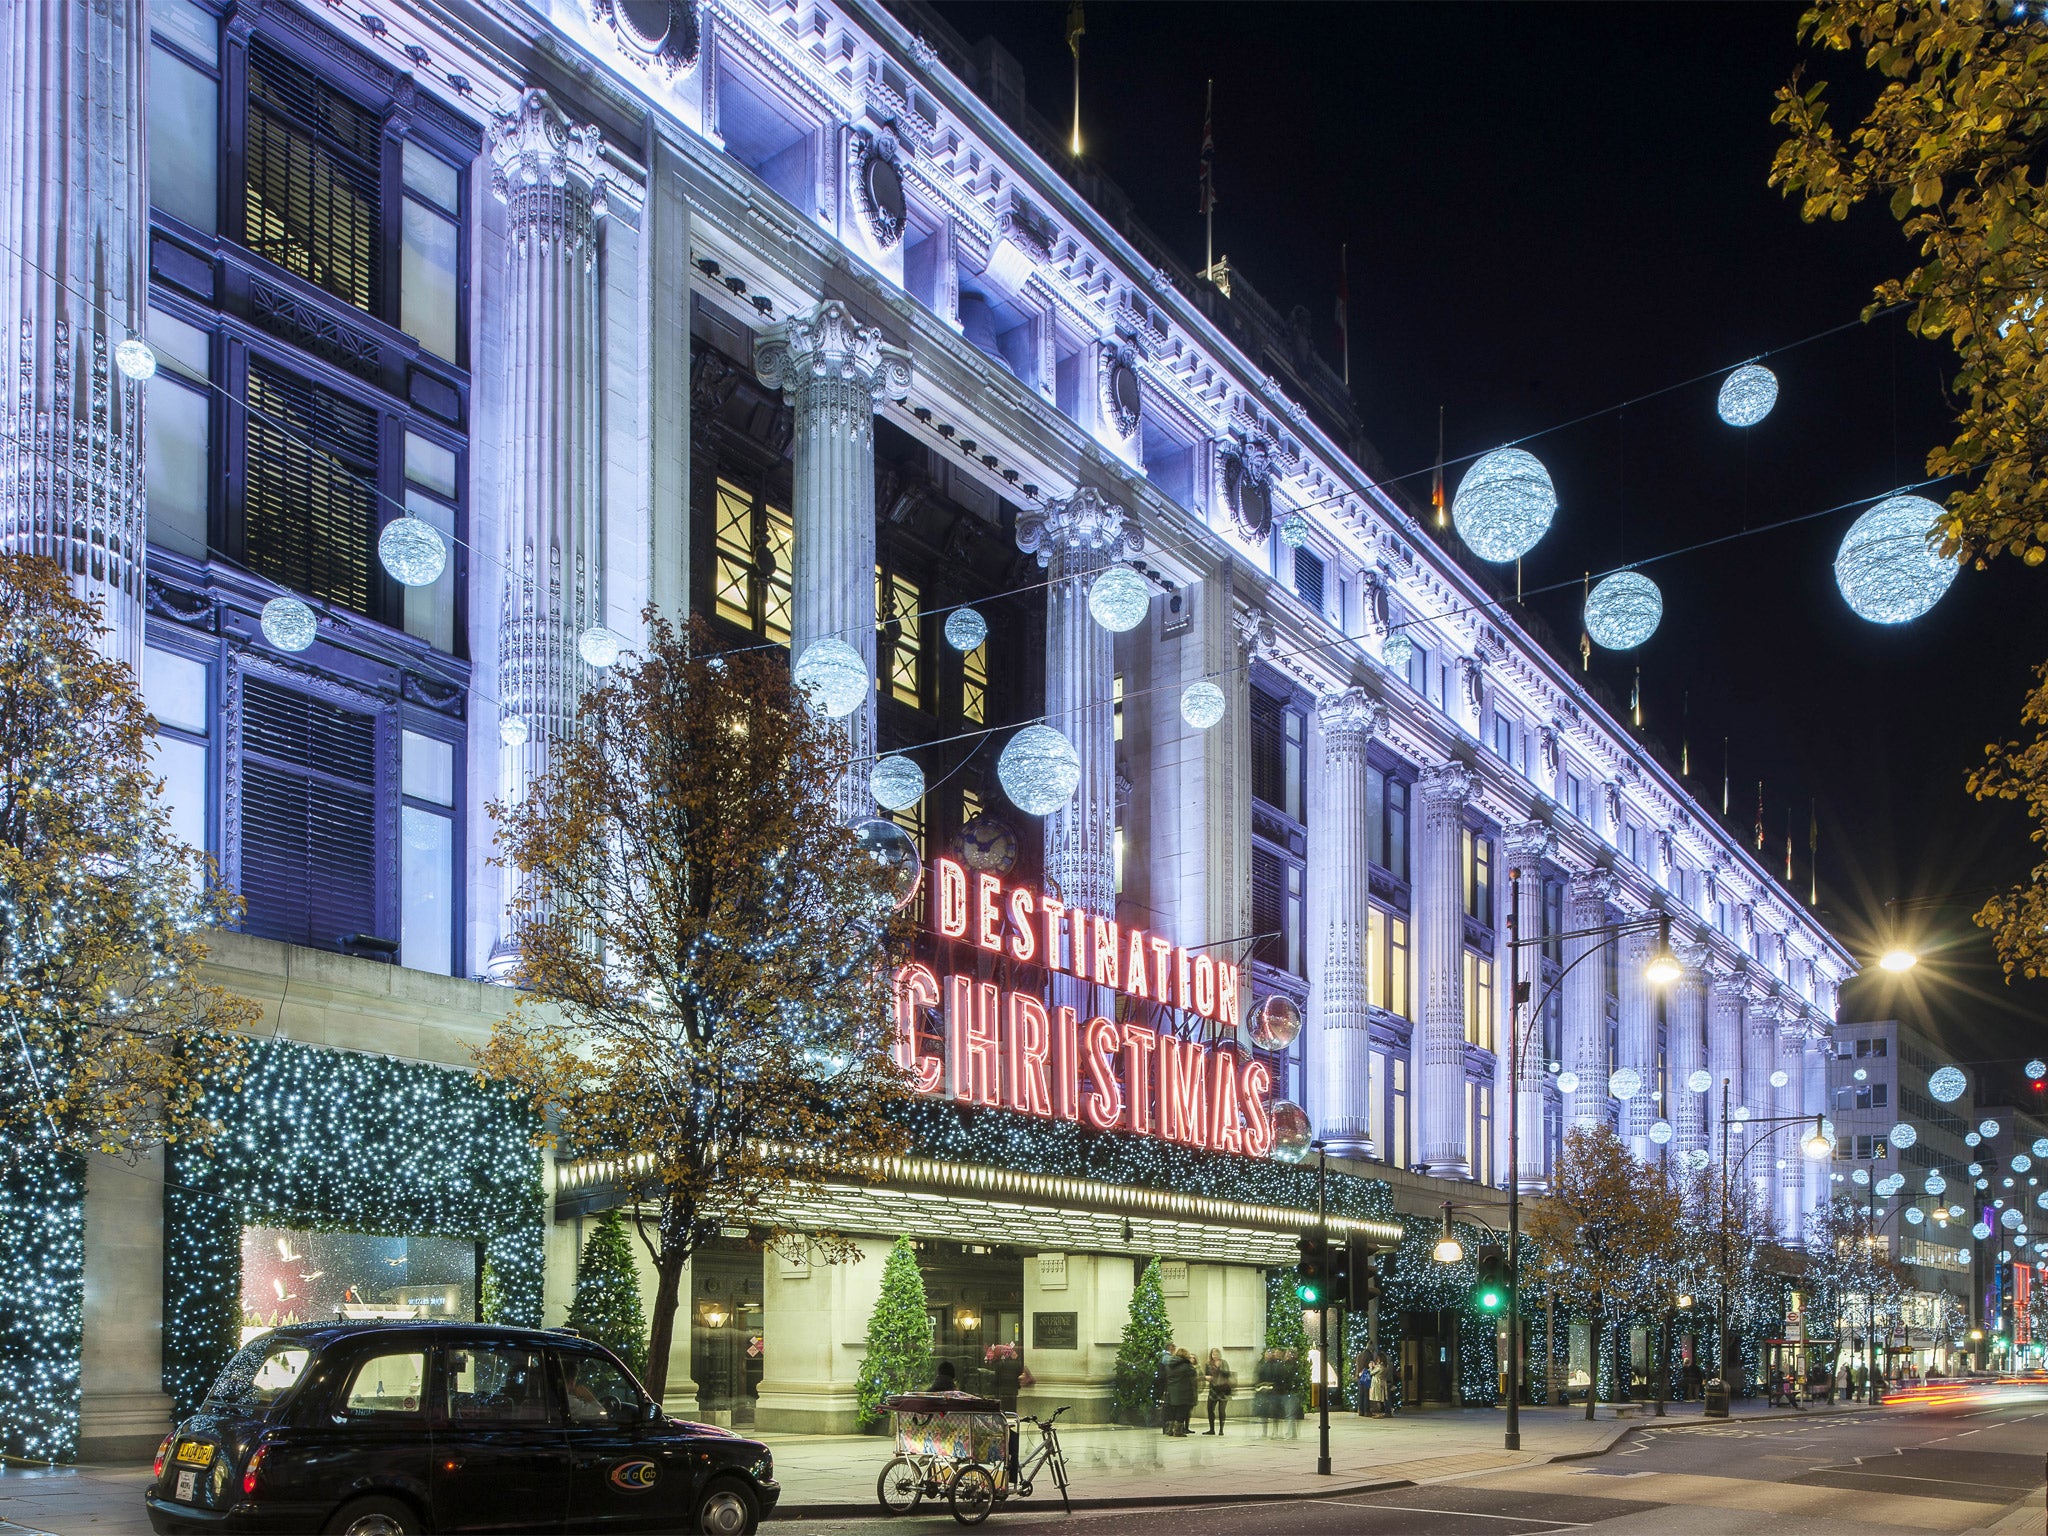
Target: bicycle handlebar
(1048, 1423)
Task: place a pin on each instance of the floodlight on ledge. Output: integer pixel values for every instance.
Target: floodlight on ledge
(1663, 968)
(1897, 960)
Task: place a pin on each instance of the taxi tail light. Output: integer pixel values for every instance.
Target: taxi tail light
(163, 1453)
(252, 1474)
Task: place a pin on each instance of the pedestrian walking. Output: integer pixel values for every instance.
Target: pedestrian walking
(1292, 1400)
(1361, 1385)
(1383, 1386)
(1180, 1392)
(1221, 1382)
(1266, 1392)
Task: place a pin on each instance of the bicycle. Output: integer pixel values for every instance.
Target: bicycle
(977, 1488)
(955, 1455)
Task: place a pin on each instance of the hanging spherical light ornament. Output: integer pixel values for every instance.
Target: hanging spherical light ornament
(1975, 1169)
(892, 846)
(600, 647)
(965, 629)
(1891, 1184)
(1623, 611)
(1987, 1129)
(289, 624)
(2011, 1220)
(1039, 770)
(1274, 1022)
(1936, 1184)
(2041, 1146)
(2037, 1069)
(1914, 1215)
(136, 359)
(1701, 1157)
(1624, 1083)
(1860, 1176)
(1886, 568)
(1294, 531)
(1741, 1112)
(1292, 1134)
(1504, 505)
(1971, 1139)
(1118, 599)
(1567, 1082)
(1660, 1132)
(1396, 652)
(1903, 1136)
(1780, 1078)
(1747, 395)
(896, 782)
(2021, 1162)
(1947, 1084)
(1861, 1075)
(1700, 1081)
(1201, 704)
(412, 551)
(833, 676)
(513, 731)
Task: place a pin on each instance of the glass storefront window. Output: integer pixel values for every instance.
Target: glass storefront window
(297, 1277)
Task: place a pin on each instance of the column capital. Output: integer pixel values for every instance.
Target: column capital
(1593, 885)
(1528, 844)
(1351, 713)
(1445, 783)
(1692, 956)
(829, 346)
(1731, 985)
(1082, 524)
(547, 171)
(1254, 630)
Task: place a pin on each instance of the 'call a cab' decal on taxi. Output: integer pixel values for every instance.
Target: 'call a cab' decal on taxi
(634, 1476)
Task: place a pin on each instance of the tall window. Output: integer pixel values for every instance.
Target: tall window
(175, 689)
(309, 513)
(974, 685)
(1116, 707)
(900, 637)
(430, 252)
(313, 194)
(427, 875)
(1386, 945)
(1479, 1130)
(1397, 1113)
(1478, 1000)
(1308, 578)
(184, 114)
(1278, 740)
(1478, 852)
(1276, 910)
(1553, 920)
(751, 563)
(1386, 822)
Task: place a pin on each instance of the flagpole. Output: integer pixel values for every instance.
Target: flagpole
(1076, 26)
(1344, 289)
(1208, 184)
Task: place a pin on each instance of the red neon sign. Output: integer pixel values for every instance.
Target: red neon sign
(1006, 1048)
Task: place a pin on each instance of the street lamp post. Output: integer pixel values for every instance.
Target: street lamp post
(1816, 1145)
(1661, 970)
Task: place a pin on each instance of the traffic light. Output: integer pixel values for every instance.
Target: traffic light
(1308, 1274)
(1366, 1286)
(1490, 1294)
(1337, 1278)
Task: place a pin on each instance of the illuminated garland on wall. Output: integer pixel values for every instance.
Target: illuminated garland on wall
(328, 1140)
(42, 1294)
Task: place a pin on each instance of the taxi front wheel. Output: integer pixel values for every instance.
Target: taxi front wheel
(727, 1507)
(376, 1517)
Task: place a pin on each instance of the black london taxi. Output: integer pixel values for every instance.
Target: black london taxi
(396, 1428)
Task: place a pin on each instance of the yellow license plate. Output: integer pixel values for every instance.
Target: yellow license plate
(194, 1453)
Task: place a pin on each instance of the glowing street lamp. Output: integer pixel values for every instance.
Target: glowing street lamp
(1448, 1249)
(1897, 960)
(1663, 968)
(1817, 1145)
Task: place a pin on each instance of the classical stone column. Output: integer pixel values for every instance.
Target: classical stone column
(547, 171)
(1760, 1016)
(1339, 905)
(76, 222)
(1075, 540)
(1585, 1001)
(1814, 1101)
(1725, 993)
(832, 370)
(1685, 1025)
(1636, 1041)
(1787, 1100)
(1527, 846)
(1440, 914)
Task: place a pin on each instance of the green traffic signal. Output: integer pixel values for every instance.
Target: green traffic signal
(1491, 1298)
(1309, 1294)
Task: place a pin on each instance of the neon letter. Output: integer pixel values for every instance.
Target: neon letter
(1066, 1066)
(1140, 1041)
(916, 987)
(1162, 968)
(1104, 1107)
(1134, 966)
(1183, 1091)
(988, 912)
(1077, 941)
(1023, 942)
(1030, 1042)
(1105, 952)
(1050, 908)
(1256, 1083)
(1205, 986)
(1183, 994)
(974, 1053)
(1226, 992)
(952, 899)
(1225, 1134)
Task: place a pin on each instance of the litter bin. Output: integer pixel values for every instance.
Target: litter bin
(1717, 1399)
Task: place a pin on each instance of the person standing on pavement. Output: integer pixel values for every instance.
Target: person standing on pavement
(1266, 1391)
(1361, 1385)
(1180, 1392)
(1383, 1385)
(1291, 1383)
(1221, 1382)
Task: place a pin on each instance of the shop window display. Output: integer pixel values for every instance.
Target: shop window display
(301, 1277)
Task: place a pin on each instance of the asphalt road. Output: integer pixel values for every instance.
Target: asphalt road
(1957, 1466)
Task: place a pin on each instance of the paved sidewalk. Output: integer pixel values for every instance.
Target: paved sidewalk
(834, 1475)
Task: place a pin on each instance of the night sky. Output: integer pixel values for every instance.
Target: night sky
(1552, 210)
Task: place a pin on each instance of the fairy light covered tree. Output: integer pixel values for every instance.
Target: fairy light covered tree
(704, 950)
(607, 1305)
(899, 1357)
(1148, 1335)
(110, 1040)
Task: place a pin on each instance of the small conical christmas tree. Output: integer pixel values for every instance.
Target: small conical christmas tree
(899, 1357)
(1147, 1338)
(607, 1305)
(1286, 1329)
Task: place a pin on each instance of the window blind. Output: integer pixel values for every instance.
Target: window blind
(309, 823)
(313, 193)
(309, 514)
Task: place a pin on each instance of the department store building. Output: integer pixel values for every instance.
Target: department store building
(795, 317)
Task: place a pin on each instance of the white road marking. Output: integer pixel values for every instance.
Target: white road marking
(1467, 1514)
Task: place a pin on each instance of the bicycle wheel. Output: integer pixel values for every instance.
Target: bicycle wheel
(973, 1494)
(1058, 1463)
(900, 1487)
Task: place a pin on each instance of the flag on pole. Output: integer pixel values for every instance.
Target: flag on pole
(1344, 313)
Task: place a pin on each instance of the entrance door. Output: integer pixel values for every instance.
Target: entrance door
(1429, 1353)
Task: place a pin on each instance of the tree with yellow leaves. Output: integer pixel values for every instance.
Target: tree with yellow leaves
(704, 948)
